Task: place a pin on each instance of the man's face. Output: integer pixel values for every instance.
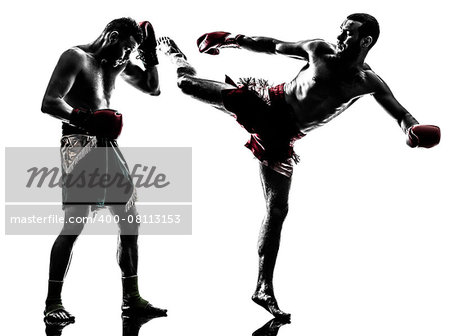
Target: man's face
(119, 51)
(348, 41)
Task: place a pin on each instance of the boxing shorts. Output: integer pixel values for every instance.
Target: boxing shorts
(264, 113)
(95, 173)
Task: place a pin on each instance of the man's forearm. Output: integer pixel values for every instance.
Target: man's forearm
(153, 81)
(258, 44)
(57, 108)
(407, 121)
(144, 80)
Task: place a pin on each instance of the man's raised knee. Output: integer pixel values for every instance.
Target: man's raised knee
(185, 84)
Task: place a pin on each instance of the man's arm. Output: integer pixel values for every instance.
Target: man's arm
(269, 45)
(210, 43)
(384, 96)
(105, 122)
(146, 81)
(417, 135)
(61, 81)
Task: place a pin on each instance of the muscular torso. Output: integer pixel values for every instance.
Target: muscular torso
(94, 83)
(322, 90)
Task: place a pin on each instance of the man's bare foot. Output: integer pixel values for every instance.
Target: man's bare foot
(169, 48)
(269, 303)
(138, 307)
(56, 313)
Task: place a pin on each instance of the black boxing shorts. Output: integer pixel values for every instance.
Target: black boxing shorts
(264, 113)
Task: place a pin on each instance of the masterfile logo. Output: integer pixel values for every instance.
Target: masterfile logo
(158, 181)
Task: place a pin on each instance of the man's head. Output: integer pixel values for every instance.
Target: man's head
(121, 37)
(359, 33)
(369, 27)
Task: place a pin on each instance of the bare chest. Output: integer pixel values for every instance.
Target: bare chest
(93, 86)
(319, 94)
(319, 82)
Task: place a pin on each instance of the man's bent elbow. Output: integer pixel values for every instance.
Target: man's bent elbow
(155, 92)
(49, 106)
(45, 106)
(150, 87)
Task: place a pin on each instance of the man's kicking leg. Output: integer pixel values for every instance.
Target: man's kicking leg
(60, 257)
(276, 192)
(127, 257)
(205, 90)
(276, 186)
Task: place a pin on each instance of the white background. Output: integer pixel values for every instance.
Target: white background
(365, 248)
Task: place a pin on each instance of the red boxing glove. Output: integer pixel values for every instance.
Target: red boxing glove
(147, 49)
(423, 136)
(105, 123)
(211, 42)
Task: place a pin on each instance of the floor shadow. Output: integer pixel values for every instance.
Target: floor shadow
(271, 328)
(132, 325)
(55, 328)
